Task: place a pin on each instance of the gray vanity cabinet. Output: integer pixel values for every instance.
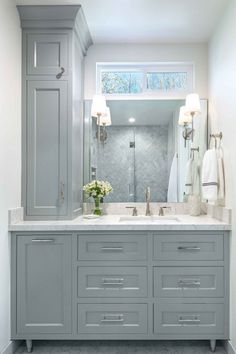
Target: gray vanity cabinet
(43, 284)
(120, 285)
(55, 40)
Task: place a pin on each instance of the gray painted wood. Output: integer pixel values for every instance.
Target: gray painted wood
(47, 148)
(212, 309)
(112, 318)
(112, 282)
(43, 284)
(195, 318)
(54, 37)
(112, 247)
(188, 247)
(57, 16)
(188, 282)
(47, 54)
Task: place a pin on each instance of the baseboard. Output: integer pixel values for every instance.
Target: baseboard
(228, 347)
(12, 347)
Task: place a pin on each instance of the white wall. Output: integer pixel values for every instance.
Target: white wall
(10, 147)
(222, 94)
(197, 53)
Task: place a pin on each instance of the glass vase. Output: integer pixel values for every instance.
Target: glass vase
(97, 210)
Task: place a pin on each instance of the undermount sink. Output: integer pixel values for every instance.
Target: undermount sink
(153, 218)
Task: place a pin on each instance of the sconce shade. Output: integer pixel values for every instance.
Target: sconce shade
(98, 105)
(192, 104)
(183, 118)
(105, 119)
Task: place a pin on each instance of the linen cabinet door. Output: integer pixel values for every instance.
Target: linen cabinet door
(47, 115)
(43, 284)
(47, 54)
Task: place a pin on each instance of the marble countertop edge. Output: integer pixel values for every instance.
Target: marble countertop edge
(112, 223)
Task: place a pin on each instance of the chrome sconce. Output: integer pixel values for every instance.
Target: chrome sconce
(187, 114)
(100, 111)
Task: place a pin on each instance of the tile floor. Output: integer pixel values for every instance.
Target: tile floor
(121, 347)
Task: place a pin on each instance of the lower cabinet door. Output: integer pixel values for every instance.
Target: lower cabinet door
(43, 284)
(112, 318)
(187, 318)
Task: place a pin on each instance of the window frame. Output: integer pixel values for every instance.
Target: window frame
(145, 68)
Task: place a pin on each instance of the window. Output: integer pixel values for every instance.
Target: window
(121, 82)
(145, 79)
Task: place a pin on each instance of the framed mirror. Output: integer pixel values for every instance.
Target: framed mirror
(143, 147)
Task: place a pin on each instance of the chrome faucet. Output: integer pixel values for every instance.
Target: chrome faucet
(148, 198)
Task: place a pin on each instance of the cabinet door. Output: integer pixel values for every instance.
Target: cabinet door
(47, 54)
(47, 115)
(43, 284)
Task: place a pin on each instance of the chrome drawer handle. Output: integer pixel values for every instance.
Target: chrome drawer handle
(183, 282)
(112, 318)
(186, 248)
(43, 240)
(113, 281)
(113, 249)
(196, 320)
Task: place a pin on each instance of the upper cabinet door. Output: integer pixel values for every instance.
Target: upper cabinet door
(47, 129)
(47, 54)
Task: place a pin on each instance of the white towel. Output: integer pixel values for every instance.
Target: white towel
(210, 175)
(221, 176)
(192, 179)
(188, 177)
(172, 194)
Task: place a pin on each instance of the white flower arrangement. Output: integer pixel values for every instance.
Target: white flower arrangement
(98, 189)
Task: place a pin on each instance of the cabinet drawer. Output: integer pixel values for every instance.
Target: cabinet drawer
(112, 247)
(112, 318)
(47, 53)
(173, 318)
(112, 282)
(188, 282)
(191, 247)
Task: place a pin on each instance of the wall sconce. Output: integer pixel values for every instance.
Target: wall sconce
(98, 109)
(192, 108)
(105, 120)
(185, 121)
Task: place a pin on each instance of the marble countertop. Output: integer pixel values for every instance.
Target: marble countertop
(112, 222)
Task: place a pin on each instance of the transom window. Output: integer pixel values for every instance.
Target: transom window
(145, 79)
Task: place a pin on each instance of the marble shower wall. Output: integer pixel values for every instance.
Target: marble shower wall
(131, 169)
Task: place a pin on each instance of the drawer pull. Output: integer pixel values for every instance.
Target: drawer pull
(187, 248)
(112, 318)
(43, 240)
(113, 249)
(188, 321)
(183, 283)
(113, 281)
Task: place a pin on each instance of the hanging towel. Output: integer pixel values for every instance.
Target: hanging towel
(221, 176)
(210, 175)
(172, 194)
(192, 179)
(188, 177)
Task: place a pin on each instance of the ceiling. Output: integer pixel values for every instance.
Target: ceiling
(145, 112)
(147, 21)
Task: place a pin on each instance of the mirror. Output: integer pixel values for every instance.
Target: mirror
(143, 147)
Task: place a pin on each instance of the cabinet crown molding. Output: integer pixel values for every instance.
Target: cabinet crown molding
(57, 17)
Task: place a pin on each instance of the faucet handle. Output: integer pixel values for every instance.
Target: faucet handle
(135, 211)
(162, 208)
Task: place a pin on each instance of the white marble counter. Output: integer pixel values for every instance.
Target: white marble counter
(111, 222)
